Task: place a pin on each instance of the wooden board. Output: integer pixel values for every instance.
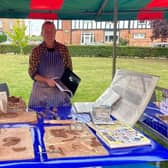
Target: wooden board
(164, 118)
(19, 117)
(59, 121)
(16, 144)
(71, 141)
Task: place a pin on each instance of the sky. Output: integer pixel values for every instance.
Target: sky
(33, 26)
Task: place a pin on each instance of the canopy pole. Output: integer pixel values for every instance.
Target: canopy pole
(115, 37)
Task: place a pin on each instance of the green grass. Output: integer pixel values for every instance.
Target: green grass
(96, 74)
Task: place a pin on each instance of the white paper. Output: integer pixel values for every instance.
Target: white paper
(136, 90)
(108, 98)
(83, 107)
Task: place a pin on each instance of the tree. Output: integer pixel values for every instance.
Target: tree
(3, 37)
(159, 29)
(18, 35)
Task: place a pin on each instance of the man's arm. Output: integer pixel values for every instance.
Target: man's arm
(34, 60)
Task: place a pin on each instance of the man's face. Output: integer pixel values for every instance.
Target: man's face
(48, 33)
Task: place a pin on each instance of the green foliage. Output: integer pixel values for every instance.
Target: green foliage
(107, 51)
(142, 52)
(18, 36)
(123, 42)
(15, 49)
(92, 51)
(28, 49)
(98, 51)
(159, 29)
(3, 37)
(8, 49)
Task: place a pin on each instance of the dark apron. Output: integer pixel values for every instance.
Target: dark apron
(51, 66)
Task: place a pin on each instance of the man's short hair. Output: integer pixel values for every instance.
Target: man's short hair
(47, 22)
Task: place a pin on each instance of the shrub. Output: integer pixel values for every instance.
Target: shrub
(3, 37)
(98, 51)
(123, 42)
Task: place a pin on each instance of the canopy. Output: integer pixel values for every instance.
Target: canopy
(83, 9)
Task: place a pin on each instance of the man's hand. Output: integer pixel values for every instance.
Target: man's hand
(51, 82)
(48, 81)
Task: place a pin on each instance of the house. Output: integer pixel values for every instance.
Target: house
(90, 32)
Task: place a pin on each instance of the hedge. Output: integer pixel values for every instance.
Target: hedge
(98, 51)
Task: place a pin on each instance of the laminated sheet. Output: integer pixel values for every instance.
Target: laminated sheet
(71, 141)
(16, 144)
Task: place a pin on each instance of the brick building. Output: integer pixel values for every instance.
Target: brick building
(137, 37)
(85, 32)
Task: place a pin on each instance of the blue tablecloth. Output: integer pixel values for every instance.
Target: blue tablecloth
(134, 155)
(150, 117)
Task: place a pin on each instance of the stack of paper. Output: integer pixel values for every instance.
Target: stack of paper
(101, 115)
(119, 135)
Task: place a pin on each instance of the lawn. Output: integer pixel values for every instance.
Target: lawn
(96, 74)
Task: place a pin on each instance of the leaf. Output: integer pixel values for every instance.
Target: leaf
(159, 29)
(18, 35)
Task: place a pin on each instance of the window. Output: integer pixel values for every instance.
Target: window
(87, 38)
(108, 36)
(139, 36)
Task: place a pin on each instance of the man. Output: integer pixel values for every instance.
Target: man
(48, 61)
